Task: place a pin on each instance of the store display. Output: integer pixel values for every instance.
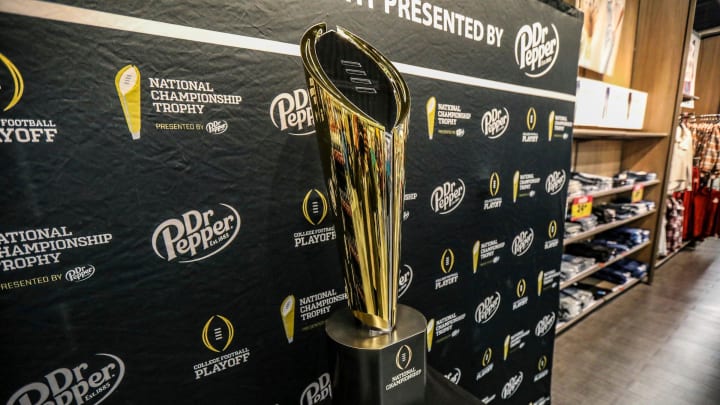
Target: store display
(206, 216)
(632, 153)
(361, 134)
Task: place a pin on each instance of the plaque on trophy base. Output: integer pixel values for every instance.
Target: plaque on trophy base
(384, 369)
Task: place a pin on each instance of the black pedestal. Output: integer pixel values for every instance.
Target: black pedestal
(386, 369)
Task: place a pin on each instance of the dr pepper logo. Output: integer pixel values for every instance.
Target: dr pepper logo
(536, 49)
(89, 382)
(292, 113)
(447, 197)
(196, 235)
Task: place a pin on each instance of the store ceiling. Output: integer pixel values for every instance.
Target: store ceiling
(707, 15)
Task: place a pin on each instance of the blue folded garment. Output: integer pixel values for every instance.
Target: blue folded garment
(612, 275)
(620, 247)
(635, 268)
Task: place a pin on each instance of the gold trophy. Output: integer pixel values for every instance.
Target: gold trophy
(361, 107)
(430, 110)
(127, 84)
(287, 313)
(551, 125)
(516, 185)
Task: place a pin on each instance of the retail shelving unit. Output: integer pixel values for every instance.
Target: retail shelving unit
(615, 190)
(662, 260)
(643, 66)
(596, 133)
(604, 227)
(598, 266)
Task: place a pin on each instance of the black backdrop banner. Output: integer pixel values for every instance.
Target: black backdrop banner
(166, 235)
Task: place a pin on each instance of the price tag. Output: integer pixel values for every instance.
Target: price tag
(637, 193)
(581, 207)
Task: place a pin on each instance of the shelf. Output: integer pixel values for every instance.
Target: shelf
(664, 260)
(616, 190)
(587, 133)
(599, 266)
(598, 303)
(603, 228)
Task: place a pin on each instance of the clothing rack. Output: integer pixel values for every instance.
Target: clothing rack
(692, 117)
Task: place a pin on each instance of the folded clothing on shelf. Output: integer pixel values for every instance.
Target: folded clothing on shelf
(599, 288)
(569, 308)
(586, 223)
(583, 263)
(572, 228)
(598, 252)
(573, 301)
(639, 176)
(622, 179)
(612, 275)
(619, 247)
(575, 189)
(606, 213)
(574, 265)
(592, 182)
(633, 267)
(626, 236)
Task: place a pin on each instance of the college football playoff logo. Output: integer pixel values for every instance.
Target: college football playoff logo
(18, 84)
(314, 207)
(403, 357)
(218, 333)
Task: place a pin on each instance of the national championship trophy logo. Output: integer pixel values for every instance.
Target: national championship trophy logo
(430, 333)
(551, 125)
(287, 313)
(475, 255)
(361, 107)
(540, 277)
(127, 84)
(431, 111)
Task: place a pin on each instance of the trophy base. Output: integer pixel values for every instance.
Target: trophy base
(379, 369)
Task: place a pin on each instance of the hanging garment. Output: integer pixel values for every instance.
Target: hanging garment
(707, 152)
(662, 239)
(674, 210)
(682, 159)
(702, 200)
(712, 212)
